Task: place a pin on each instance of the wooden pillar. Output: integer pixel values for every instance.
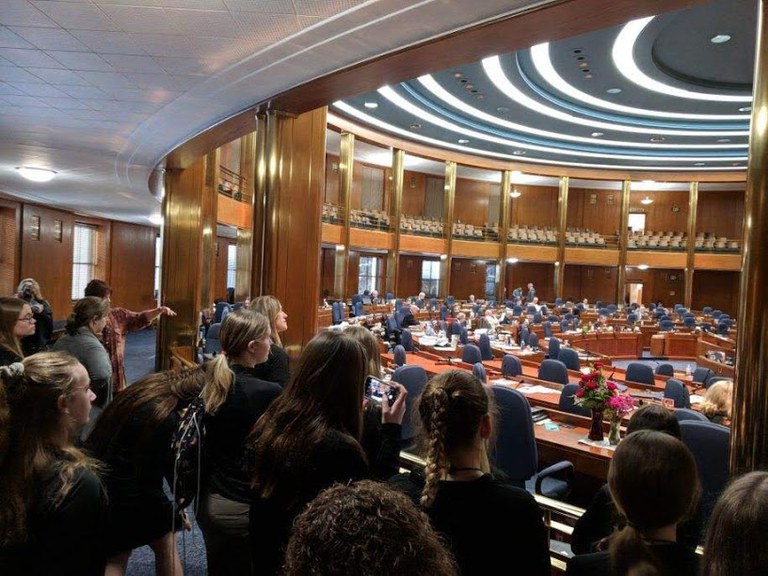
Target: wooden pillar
(446, 259)
(245, 237)
(501, 281)
(690, 262)
(395, 208)
(292, 158)
(749, 429)
(189, 235)
(626, 188)
(562, 218)
(346, 171)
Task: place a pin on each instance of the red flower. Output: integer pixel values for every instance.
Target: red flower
(611, 385)
(579, 393)
(592, 385)
(598, 365)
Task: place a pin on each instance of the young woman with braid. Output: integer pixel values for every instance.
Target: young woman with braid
(654, 484)
(309, 438)
(52, 503)
(486, 522)
(276, 367)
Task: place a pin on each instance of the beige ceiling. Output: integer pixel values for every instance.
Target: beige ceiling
(102, 90)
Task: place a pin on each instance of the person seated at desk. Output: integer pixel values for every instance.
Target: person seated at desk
(717, 402)
(421, 301)
(654, 482)
(410, 318)
(375, 300)
(508, 318)
(471, 299)
(491, 319)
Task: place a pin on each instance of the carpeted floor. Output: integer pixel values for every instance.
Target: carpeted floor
(140, 361)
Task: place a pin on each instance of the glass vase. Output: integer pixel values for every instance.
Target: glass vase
(614, 434)
(596, 428)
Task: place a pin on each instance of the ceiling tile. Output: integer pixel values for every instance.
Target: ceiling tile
(174, 46)
(76, 16)
(157, 95)
(203, 22)
(81, 61)
(106, 79)
(24, 101)
(82, 91)
(29, 58)
(164, 81)
(39, 89)
(117, 105)
(50, 38)
(273, 6)
(55, 76)
(106, 42)
(125, 63)
(4, 62)
(143, 19)
(9, 39)
(8, 89)
(183, 66)
(65, 103)
(22, 13)
(271, 27)
(16, 74)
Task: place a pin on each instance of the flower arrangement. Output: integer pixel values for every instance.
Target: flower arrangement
(619, 405)
(594, 389)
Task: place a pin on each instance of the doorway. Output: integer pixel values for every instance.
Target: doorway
(633, 292)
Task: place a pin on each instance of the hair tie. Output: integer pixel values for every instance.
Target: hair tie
(15, 370)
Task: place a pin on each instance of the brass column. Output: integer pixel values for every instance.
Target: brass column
(292, 156)
(626, 187)
(395, 207)
(189, 230)
(448, 204)
(346, 171)
(562, 218)
(501, 281)
(693, 203)
(245, 237)
(749, 429)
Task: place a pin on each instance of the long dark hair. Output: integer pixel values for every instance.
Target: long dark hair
(324, 395)
(85, 310)
(654, 483)
(10, 308)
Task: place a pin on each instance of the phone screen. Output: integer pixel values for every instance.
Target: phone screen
(375, 388)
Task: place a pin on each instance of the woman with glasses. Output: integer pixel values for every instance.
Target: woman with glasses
(16, 322)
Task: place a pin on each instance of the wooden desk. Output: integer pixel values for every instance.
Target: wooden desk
(613, 344)
(680, 345)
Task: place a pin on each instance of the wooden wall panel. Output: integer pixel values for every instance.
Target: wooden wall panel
(220, 266)
(721, 213)
(703, 260)
(10, 215)
(353, 271)
(475, 249)
(591, 282)
(471, 201)
(414, 193)
(594, 256)
(47, 260)
(409, 243)
(597, 210)
(409, 281)
(532, 253)
(657, 259)
(717, 289)
(669, 211)
(331, 233)
(233, 213)
(659, 285)
(331, 193)
(327, 272)
(375, 239)
(468, 277)
(132, 271)
(542, 275)
(536, 207)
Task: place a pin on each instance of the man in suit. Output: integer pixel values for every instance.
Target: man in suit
(531, 293)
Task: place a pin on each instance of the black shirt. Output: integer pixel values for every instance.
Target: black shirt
(275, 369)
(675, 560)
(7, 357)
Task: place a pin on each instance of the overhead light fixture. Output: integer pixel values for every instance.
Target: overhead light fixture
(720, 38)
(613, 90)
(515, 193)
(657, 139)
(512, 260)
(642, 266)
(700, 164)
(647, 200)
(36, 174)
(463, 141)
(597, 134)
(156, 219)
(745, 109)
(371, 105)
(723, 140)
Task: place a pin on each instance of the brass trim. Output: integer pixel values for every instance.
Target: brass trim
(562, 223)
(690, 262)
(395, 209)
(506, 186)
(626, 188)
(448, 211)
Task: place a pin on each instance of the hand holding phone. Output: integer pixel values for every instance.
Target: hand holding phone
(376, 389)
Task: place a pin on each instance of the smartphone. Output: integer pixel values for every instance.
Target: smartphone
(375, 388)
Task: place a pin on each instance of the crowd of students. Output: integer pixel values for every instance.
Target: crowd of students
(300, 471)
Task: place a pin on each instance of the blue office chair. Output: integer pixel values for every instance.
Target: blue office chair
(716, 314)
(533, 341)
(531, 309)
(478, 370)
(715, 378)
(665, 369)
(517, 310)
(400, 315)
(639, 372)
(544, 310)
(558, 302)
(414, 379)
(337, 312)
(632, 319)
(471, 354)
(553, 350)
(689, 322)
(511, 366)
(564, 325)
(484, 343)
(212, 342)
(722, 329)
(666, 325)
(701, 374)
(678, 392)
(406, 339)
(433, 304)
(358, 308)
(537, 318)
(570, 358)
(547, 329)
(456, 327)
(399, 354)
(567, 404)
(443, 312)
(464, 337)
(553, 371)
(391, 328)
(222, 309)
(710, 445)
(450, 300)
(515, 450)
(523, 334)
(357, 298)
(687, 414)
(707, 310)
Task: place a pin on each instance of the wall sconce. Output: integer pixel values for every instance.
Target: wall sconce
(515, 193)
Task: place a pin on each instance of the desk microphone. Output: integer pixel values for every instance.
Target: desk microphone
(448, 361)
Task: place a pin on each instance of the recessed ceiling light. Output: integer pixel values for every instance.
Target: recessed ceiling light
(371, 105)
(745, 109)
(512, 260)
(515, 193)
(583, 65)
(587, 76)
(502, 109)
(736, 164)
(642, 266)
(657, 139)
(156, 219)
(613, 90)
(479, 96)
(36, 174)
(723, 140)
(597, 134)
(720, 39)
(415, 126)
(469, 86)
(700, 164)
(463, 141)
(646, 201)
(518, 152)
(457, 74)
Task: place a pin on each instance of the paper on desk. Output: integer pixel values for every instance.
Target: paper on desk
(537, 389)
(696, 399)
(597, 443)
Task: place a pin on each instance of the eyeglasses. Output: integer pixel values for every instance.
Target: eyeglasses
(27, 318)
